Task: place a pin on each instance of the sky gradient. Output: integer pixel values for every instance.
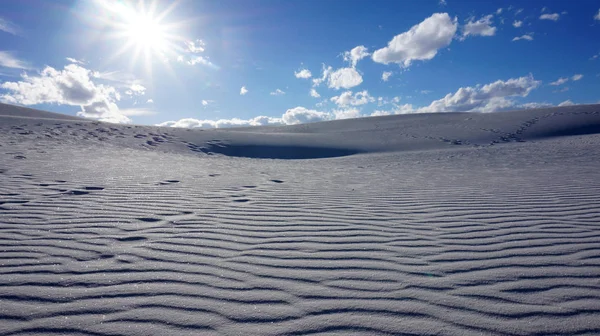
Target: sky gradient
(237, 63)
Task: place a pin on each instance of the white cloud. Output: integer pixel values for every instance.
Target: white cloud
(481, 27)
(344, 78)
(70, 86)
(73, 60)
(347, 98)
(136, 112)
(528, 37)
(552, 17)
(314, 93)
(303, 73)
(326, 72)
(347, 113)
(385, 76)
(488, 98)
(301, 115)
(442, 2)
(9, 27)
(563, 80)
(277, 92)
(150, 101)
(518, 11)
(223, 123)
(597, 16)
(204, 103)
(7, 60)
(517, 23)
(499, 11)
(421, 42)
(243, 90)
(355, 55)
(534, 105)
(560, 81)
(195, 46)
(566, 103)
(199, 60)
(136, 89)
(293, 116)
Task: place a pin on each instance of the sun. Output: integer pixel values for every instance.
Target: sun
(139, 31)
(146, 33)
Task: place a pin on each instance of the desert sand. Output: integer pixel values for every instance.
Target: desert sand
(424, 224)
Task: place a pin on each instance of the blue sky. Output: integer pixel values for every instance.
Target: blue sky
(215, 64)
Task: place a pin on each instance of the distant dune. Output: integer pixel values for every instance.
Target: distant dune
(423, 224)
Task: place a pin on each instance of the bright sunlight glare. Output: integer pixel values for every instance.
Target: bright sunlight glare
(145, 32)
(139, 30)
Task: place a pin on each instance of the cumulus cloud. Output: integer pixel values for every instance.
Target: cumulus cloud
(293, 116)
(421, 42)
(199, 60)
(534, 105)
(314, 93)
(150, 101)
(347, 98)
(303, 73)
(136, 89)
(243, 90)
(442, 2)
(528, 37)
(277, 92)
(495, 96)
(488, 98)
(517, 23)
(9, 27)
(597, 16)
(491, 97)
(325, 74)
(195, 46)
(301, 115)
(385, 76)
(481, 27)
(344, 78)
(576, 77)
(552, 17)
(7, 60)
(204, 103)
(70, 86)
(347, 113)
(355, 55)
(566, 103)
(222, 123)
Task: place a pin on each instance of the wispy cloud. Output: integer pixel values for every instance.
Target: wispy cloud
(528, 37)
(9, 27)
(7, 60)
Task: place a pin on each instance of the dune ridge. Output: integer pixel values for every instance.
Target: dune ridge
(448, 224)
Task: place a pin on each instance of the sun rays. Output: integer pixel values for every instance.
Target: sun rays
(142, 31)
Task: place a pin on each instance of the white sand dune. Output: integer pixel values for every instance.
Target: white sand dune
(431, 224)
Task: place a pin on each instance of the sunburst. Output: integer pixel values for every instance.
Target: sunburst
(141, 31)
